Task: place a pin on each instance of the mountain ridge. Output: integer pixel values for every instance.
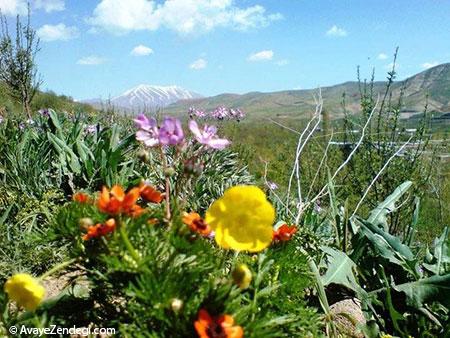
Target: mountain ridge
(430, 86)
(145, 96)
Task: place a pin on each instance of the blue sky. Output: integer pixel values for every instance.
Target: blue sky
(97, 48)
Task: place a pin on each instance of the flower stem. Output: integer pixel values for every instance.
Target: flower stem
(58, 267)
(167, 184)
(126, 241)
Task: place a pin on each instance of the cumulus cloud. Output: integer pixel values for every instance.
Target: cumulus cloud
(264, 55)
(382, 56)
(198, 64)
(91, 60)
(57, 32)
(428, 65)
(141, 50)
(50, 5)
(336, 31)
(13, 7)
(181, 16)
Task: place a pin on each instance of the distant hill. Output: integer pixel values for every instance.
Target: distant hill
(42, 100)
(433, 82)
(145, 97)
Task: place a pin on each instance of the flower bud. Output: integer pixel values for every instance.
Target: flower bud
(143, 155)
(169, 172)
(176, 304)
(192, 167)
(242, 276)
(85, 222)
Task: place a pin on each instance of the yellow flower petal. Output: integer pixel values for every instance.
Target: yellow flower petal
(242, 219)
(25, 291)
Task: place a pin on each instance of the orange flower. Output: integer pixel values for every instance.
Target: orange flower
(153, 221)
(150, 194)
(220, 327)
(136, 211)
(98, 230)
(117, 202)
(284, 233)
(196, 223)
(81, 197)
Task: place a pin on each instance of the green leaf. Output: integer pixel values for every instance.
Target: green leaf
(378, 215)
(340, 269)
(427, 290)
(388, 246)
(439, 260)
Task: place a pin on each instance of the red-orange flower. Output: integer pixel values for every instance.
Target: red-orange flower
(98, 230)
(218, 327)
(153, 221)
(81, 197)
(150, 194)
(117, 202)
(136, 211)
(194, 221)
(284, 233)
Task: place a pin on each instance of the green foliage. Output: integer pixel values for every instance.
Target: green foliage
(18, 68)
(136, 294)
(150, 279)
(130, 279)
(384, 274)
(438, 259)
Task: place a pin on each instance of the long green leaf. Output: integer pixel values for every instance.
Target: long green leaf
(378, 215)
(426, 290)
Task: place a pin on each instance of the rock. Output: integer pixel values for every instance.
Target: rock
(350, 308)
(55, 284)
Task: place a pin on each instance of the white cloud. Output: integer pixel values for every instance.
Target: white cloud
(336, 31)
(382, 56)
(264, 55)
(428, 65)
(13, 7)
(91, 60)
(50, 5)
(198, 64)
(141, 50)
(391, 65)
(57, 32)
(282, 62)
(181, 16)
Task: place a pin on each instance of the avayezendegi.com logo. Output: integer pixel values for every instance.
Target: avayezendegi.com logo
(55, 330)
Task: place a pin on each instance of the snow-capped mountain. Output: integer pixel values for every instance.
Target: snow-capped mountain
(147, 97)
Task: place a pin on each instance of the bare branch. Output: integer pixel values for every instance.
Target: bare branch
(358, 144)
(378, 175)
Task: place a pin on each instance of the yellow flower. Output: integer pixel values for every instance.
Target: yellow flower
(242, 276)
(242, 219)
(25, 291)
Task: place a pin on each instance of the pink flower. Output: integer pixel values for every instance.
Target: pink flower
(171, 132)
(272, 185)
(208, 136)
(148, 130)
